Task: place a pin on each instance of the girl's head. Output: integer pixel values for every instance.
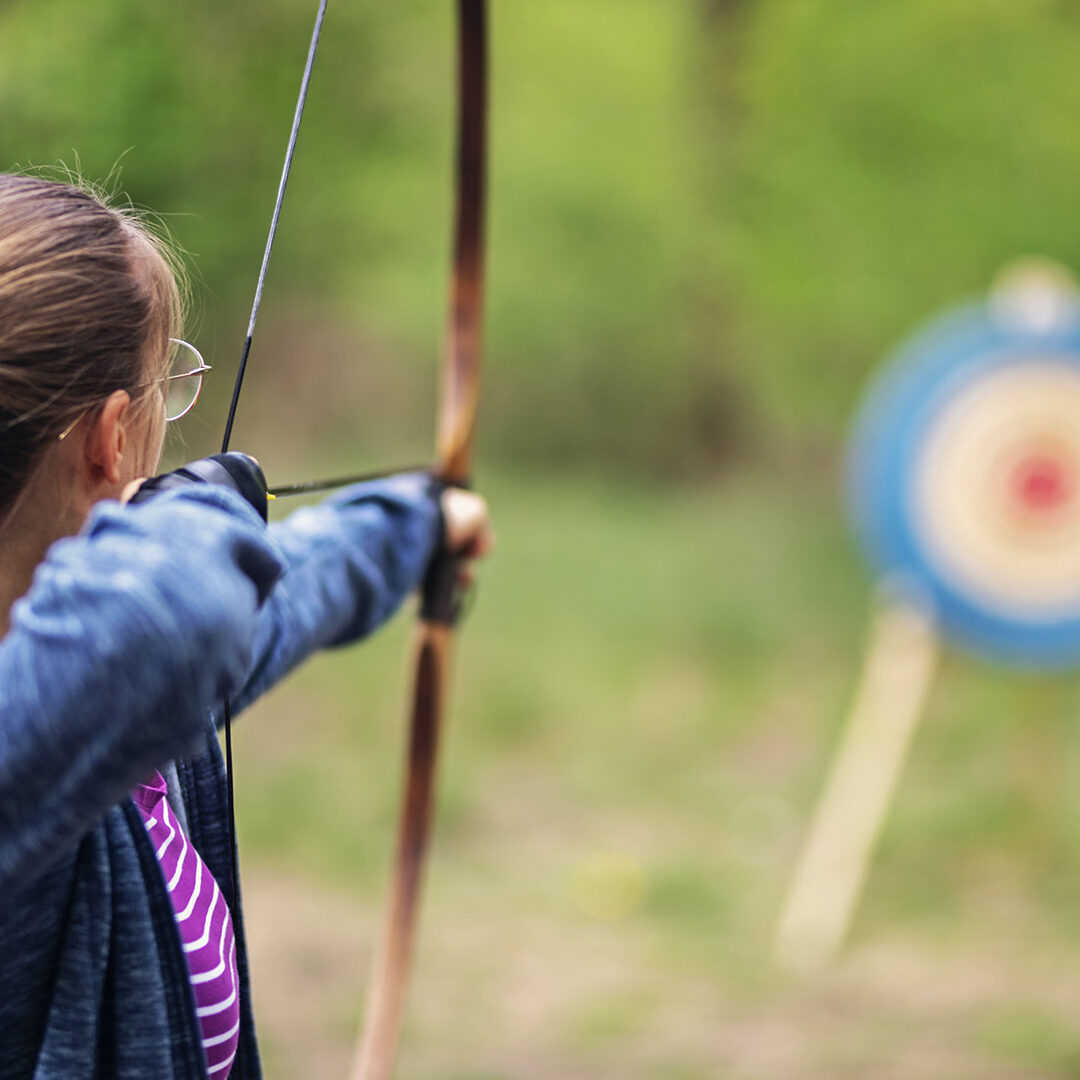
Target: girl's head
(88, 304)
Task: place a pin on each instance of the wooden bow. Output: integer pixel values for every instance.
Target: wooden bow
(377, 1048)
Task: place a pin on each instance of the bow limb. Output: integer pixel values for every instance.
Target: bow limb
(377, 1048)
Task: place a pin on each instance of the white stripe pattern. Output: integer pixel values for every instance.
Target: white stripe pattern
(217, 1040)
(206, 976)
(224, 1065)
(221, 1006)
(196, 891)
(171, 884)
(206, 930)
(172, 834)
(191, 946)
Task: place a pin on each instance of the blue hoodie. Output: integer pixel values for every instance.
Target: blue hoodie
(117, 663)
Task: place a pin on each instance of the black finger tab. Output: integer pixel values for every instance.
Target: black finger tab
(241, 472)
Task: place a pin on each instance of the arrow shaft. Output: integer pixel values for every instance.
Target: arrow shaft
(308, 487)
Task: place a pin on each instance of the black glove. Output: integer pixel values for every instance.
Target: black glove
(234, 470)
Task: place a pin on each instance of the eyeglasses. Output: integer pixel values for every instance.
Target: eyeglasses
(180, 386)
(183, 381)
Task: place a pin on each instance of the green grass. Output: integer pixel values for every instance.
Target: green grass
(647, 693)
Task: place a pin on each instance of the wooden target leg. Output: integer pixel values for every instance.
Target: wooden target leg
(832, 868)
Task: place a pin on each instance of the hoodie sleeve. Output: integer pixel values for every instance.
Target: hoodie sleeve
(129, 634)
(350, 562)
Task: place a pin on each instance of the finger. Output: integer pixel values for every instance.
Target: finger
(478, 545)
(483, 544)
(465, 514)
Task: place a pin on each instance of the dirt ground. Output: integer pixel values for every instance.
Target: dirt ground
(504, 997)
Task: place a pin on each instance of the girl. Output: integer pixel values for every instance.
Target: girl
(125, 627)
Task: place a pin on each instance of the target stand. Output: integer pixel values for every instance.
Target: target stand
(964, 484)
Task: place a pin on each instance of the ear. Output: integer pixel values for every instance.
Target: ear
(106, 441)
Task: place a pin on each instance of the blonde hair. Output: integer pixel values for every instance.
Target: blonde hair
(89, 297)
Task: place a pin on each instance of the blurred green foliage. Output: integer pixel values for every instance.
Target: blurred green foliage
(710, 218)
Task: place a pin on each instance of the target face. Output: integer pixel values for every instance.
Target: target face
(965, 469)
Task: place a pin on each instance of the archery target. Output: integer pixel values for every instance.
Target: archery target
(994, 489)
(965, 482)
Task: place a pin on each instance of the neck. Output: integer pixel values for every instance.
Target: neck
(38, 520)
(20, 559)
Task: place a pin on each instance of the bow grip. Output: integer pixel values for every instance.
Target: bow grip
(442, 596)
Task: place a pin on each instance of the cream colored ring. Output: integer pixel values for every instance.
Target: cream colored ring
(995, 488)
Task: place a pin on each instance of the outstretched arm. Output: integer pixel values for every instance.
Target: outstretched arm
(350, 562)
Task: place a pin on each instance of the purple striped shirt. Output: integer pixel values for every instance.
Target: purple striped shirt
(205, 928)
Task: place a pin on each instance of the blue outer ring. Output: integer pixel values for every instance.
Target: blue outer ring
(921, 377)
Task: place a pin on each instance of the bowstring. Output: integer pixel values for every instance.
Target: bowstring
(226, 438)
(285, 170)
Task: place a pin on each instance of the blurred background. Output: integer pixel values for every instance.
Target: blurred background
(710, 219)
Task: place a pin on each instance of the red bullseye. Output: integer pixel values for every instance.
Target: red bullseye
(1042, 483)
